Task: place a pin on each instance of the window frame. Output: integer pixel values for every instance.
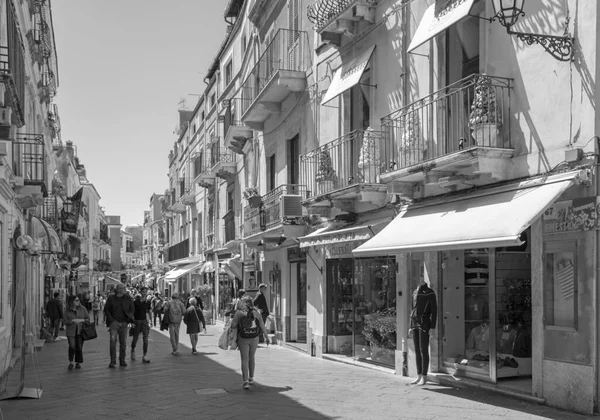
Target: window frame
(556, 247)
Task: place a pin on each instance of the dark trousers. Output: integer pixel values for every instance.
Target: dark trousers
(421, 340)
(76, 349)
(54, 327)
(118, 331)
(156, 314)
(261, 336)
(143, 328)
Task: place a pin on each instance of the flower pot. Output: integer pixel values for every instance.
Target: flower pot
(324, 186)
(255, 201)
(486, 134)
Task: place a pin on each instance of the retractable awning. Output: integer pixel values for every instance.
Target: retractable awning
(175, 273)
(48, 237)
(232, 266)
(359, 231)
(138, 276)
(112, 280)
(438, 17)
(492, 218)
(207, 267)
(348, 75)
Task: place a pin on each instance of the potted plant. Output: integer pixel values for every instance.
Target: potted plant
(411, 148)
(485, 118)
(326, 176)
(368, 159)
(251, 194)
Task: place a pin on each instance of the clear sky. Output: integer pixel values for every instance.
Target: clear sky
(124, 66)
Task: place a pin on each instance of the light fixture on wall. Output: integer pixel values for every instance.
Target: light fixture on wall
(508, 12)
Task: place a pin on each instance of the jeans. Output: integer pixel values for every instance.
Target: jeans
(76, 349)
(154, 315)
(247, 347)
(421, 341)
(118, 330)
(144, 328)
(54, 327)
(97, 316)
(174, 335)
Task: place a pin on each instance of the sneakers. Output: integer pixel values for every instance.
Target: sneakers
(144, 360)
(246, 385)
(132, 355)
(251, 381)
(70, 366)
(112, 365)
(77, 366)
(194, 351)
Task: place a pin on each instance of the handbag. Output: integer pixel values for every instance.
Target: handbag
(224, 338)
(88, 331)
(164, 324)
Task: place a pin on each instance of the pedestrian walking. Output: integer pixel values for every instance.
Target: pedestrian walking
(141, 313)
(157, 309)
(176, 309)
(194, 320)
(194, 295)
(74, 316)
(54, 311)
(260, 302)
(119, 313)
(96, 308)
(247, 325)
(236, 304)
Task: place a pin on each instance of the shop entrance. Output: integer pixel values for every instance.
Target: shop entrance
(486, 315)
(361, 309)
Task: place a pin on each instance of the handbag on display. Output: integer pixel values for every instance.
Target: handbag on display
(88, 331)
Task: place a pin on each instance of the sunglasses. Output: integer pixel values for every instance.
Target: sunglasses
(76, 300)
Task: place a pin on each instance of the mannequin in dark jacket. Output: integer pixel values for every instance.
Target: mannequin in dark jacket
(422, 319)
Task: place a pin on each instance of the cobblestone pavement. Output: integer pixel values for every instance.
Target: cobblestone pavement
(290, 385)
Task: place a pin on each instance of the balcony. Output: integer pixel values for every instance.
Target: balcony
(236, 133)
(279, 216)
(29, 168)
(230, 228)
(209, 244)
(222, 162)
(345, 173)
(280, 71)
(51, 212)
(453, 139)
(334, 18)
(179, 251)
(12, 73)
(205, 178)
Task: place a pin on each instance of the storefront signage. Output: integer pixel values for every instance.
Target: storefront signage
(580, 214)
(341, 250)
(296, 254)
(249, 267)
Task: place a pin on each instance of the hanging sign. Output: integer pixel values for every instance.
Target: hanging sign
(579, 214)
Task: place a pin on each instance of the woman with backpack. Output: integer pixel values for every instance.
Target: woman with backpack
(175, 310)
(246, 326)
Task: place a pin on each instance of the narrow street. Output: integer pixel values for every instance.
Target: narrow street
(290, 385)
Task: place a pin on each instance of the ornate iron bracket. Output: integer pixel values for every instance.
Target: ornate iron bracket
(559, 47)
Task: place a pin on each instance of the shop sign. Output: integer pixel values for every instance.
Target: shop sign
(579, 214)
(249, 267)
(341, 249)
(296, 254)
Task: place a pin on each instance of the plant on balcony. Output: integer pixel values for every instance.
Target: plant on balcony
(326, 176)
(411, 148)
(58, 188)
(485, 118)
(252, 195)
(368, 159)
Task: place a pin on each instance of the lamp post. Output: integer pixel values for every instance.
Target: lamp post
(508, 12)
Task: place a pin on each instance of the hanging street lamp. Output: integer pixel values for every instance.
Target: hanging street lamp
(507, 12)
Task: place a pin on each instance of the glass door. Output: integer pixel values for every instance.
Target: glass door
(339, 301)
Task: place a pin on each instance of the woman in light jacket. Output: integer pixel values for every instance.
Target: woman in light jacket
(247, 325)
(73, 317)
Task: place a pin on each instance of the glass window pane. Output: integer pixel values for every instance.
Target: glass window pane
(560, 289)
(301, 288)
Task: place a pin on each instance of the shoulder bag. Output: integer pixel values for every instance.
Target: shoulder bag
(88, 331)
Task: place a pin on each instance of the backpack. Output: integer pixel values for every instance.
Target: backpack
(158, 305)
(248, 326)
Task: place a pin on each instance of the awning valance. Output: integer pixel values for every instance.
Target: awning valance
(492, 218)
(438, 17)
(359, 231)
(47, 236)
(175, 273)
(348, 75)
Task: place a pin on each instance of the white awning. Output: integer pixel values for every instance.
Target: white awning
(135, 277)
(348, 75)
(207, 267)
(438, 17)
(232, 266)
(112, 280)
(358, 231)
(492, 218)
(175, 273)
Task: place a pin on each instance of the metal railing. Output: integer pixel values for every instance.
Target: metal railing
(289, 50)
(29, 159)
(229, 226)
(179, 251)
(233, 114)
(219, 154)
(252, 220)
(272, 213)
(50, 211)
(322, 12)
(351, 159)
(470, 112)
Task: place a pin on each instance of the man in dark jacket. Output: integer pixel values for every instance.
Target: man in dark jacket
(422, 319)
(141, 313)
(54, 311)
(260, 302)
(119, 313)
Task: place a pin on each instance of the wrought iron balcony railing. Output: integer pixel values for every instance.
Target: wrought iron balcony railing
(471, 112)
(322, 12)
(351, 159)
(29, 160)
(289, 50)
(179, 251)
(252, 220)
(219, 154)
(50, 211)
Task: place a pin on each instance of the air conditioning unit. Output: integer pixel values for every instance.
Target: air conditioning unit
(291, 206)
(5, 114)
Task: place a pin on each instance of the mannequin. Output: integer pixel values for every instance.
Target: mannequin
(422, 319)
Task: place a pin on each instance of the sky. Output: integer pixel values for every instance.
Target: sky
(124, 66)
